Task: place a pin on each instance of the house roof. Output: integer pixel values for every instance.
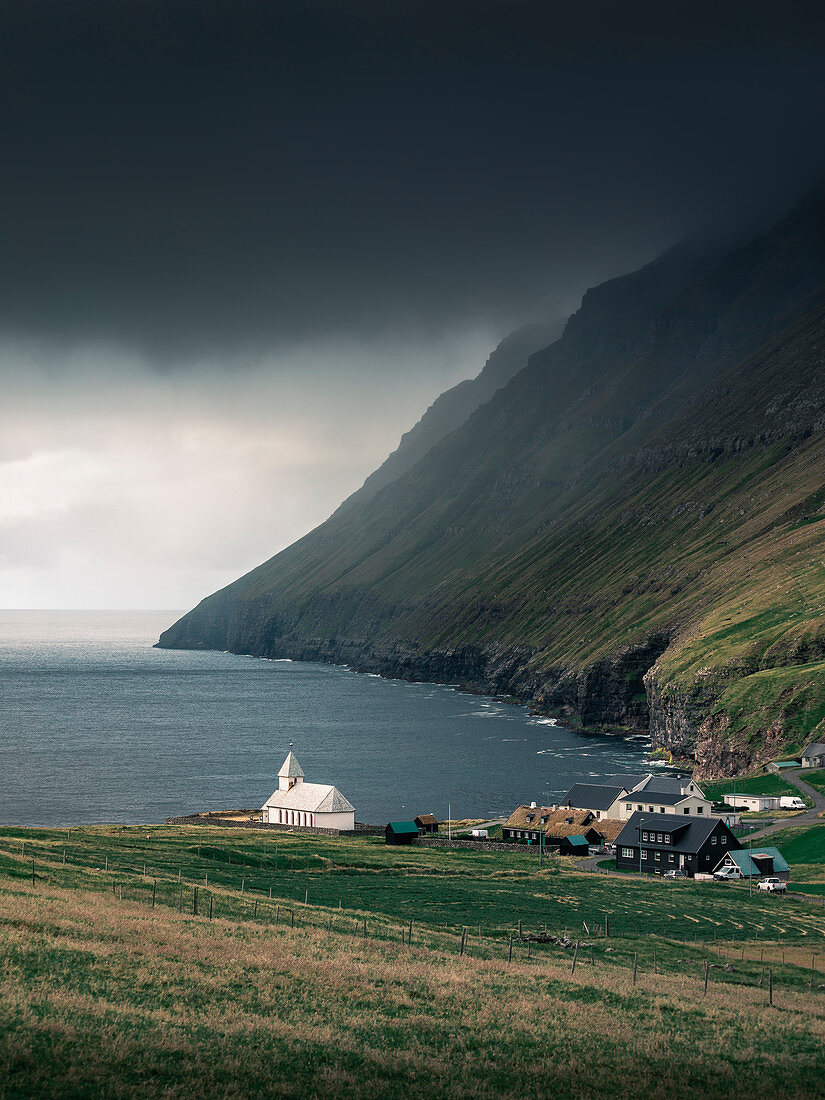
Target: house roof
(593, 796)
(427, 819)
(557, 822)
(609, 827)
(576, 840)
(747, 861)
(627, 781)
(310, 797)
(402, 827)
(816, 748)
(291, 769)
(688, 834)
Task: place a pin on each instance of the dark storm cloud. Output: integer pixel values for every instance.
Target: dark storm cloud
(185, 177)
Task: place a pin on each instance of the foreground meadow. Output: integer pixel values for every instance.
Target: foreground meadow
(111, 986)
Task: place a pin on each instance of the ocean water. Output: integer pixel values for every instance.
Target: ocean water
(98, 726)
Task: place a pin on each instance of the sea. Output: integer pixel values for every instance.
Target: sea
(98, 726)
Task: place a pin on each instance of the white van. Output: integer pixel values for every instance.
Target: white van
(791, 802)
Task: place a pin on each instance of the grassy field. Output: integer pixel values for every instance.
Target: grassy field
(106, 994)
(439, 888)
(816, 778)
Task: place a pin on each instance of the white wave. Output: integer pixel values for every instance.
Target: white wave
(544, 722)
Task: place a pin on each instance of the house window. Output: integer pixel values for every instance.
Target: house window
(700, 809)
(671, 858)
(707, 857)
(529, 818)
(640, 807)
(644, 853)
(686, 810)
(661, 809)
(644, 836)
(658, 838)
(650, 810)
(667, 838)
(627, 853)
(713, 840)
(658, 855)
(723, 840)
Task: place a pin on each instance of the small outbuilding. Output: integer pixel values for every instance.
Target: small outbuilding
(427, 823)
(757, 863)
(401, 832)
(576, 845)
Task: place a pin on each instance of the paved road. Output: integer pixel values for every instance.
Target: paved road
(809, 817)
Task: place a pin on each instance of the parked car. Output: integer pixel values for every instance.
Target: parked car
(772, 885)
(727, 874)
(674, 873)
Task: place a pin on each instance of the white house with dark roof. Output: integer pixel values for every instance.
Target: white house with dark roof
(306, 805)
(666, 795)
(622, 795)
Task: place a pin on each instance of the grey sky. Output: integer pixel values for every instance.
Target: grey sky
(245, 244)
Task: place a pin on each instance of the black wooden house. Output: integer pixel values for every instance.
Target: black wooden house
(655, 843)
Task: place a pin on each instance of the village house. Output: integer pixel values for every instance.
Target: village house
(655, 843)
(756, 863)
(401, 832)
(306, 805)
(427, 823)
(752, 803)
(622, 795)
(814, 755)
(666, 795)
(557, 824)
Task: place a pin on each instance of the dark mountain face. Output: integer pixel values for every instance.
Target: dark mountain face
(452, 408)
(626, 534)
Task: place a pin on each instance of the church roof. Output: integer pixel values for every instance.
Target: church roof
(312, 798)
(291, 769)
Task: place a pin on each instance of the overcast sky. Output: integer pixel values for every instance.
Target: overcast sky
(245, 244)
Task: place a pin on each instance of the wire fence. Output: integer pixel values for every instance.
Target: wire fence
(770, 970)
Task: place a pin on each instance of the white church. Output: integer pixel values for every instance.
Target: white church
(306, 805)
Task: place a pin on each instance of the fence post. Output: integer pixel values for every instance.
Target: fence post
(409, 934)
(707, 972)
(180, 900)
(770, 987)
(575, 956)
(210, 907)
(154, 887)
(464, 936)
(635, 964)
(510, 956)
(195, 902)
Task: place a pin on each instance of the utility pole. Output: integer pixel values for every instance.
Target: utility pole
(449, 821)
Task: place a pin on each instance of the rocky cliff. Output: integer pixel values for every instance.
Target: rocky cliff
(627, 534)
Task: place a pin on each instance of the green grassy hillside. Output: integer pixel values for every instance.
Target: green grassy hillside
(627, 535)
(113, 986)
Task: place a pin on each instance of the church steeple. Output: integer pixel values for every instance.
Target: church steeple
(291, 772)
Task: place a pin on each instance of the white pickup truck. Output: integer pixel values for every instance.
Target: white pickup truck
(772, 885)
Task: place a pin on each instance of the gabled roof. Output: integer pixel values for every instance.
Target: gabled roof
(291, 769)
(688, 834)
(592, 796)
(400, 828)
(427, 819)
(576, 840)
(816, 748)
(748, 864)
(609, 827)
(627, 781)
(312, 798)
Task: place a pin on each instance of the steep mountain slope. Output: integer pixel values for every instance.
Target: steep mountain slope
(627, 534)
(452, 407)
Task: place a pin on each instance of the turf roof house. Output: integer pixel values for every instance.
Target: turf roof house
(306, 805)
(655, 843)
(527, 823)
